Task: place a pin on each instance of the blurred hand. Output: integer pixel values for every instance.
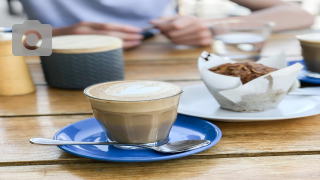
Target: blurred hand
(186, 30)
(130, 35)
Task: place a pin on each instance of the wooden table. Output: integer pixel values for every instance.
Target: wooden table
(287, 149)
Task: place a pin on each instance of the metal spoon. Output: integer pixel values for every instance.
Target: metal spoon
(171, 147)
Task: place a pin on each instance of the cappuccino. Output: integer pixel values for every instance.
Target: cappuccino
(135, 112)
(310, 46)
(133, 90)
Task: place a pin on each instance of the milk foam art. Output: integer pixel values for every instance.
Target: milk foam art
(260, 94)
(134, 90)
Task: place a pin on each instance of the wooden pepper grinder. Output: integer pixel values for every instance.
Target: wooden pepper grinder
(15, 77)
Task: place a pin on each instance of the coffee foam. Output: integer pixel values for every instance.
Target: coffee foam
(315, 37)
(133, 90)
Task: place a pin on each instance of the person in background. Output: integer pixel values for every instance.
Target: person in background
(126, 18)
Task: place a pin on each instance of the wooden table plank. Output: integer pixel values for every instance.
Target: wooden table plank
(276, 168)
(52, 101)
(150, 60)
(290, 46)
(160, 49)
(270, 138)
(46, 101)
(163, 70)
(148, 70)
(162, 52)
(160, 70)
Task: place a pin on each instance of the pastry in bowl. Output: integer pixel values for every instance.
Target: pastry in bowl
(250, 86)
(245, 71)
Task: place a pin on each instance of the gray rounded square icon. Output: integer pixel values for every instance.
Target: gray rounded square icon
(32, 39)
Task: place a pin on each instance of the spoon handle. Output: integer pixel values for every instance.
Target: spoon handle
(44, 141)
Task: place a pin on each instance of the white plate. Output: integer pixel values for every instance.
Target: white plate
(197, 101)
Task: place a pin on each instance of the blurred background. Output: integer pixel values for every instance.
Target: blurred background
(11, 11)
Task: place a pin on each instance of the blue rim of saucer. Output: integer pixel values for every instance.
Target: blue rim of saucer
(185, 127)
(303, 75)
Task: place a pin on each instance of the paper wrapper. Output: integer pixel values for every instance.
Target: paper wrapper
(260, 94)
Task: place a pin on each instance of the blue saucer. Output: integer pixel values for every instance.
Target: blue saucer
(303, 75)
(185, 128)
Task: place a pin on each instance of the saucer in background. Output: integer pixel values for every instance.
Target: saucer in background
(303, 74)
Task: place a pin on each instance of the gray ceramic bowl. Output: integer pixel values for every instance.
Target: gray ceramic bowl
(79, 61)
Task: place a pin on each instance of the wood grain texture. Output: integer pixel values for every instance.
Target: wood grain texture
(45, 101)
(271, 138)
(156, 52)
(161, 49)
(166, 51)
(181, 70)
(163, 70)
(159, 70)
(274, 167)
(52, 101)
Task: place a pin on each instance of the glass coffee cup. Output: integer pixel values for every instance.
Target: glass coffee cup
(135, 112)
(310, 45)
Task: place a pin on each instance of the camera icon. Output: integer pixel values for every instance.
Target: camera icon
(32, 39)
